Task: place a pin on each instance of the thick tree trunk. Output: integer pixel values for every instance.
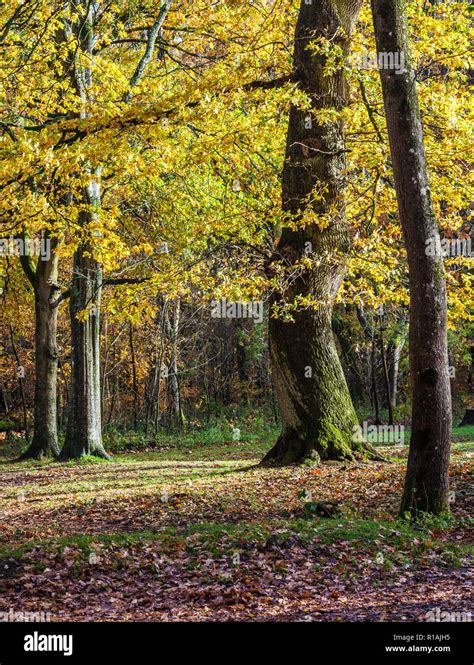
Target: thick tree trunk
(45, 436)
(426, 483)
(314, 403)
(318, 418)
(84, 431)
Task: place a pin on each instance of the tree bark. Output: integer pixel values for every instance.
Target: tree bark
(386, 377)
(20, 383)
(84, 431)
(134, 377)
(45, 435)
(318, 418)
(394, 352)
(373, 374)
(426, 482)
(84, 435)
(175, 413)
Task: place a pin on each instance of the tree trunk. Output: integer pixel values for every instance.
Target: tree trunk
(373, 374)
(350, 356)
(45, 436)
(134, 377)
(242, 360)
(175, 413)
(394, 352)
(3, 397)
(426, 483)
(316, 410)
(84, 431)
(468, 418)
(386, 377)
(20, 383)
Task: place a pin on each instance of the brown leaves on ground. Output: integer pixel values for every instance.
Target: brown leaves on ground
(220, 540)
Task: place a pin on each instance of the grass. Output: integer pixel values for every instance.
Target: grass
(218, 441)
(212, 518)
(407, 542)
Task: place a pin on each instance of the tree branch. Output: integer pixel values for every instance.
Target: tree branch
(124, 280)
(64, 296)
(147, 56)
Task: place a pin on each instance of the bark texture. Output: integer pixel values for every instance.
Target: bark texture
(316, 410)
(84, 431)
(44, 282)
(175, 416)
(426, 483)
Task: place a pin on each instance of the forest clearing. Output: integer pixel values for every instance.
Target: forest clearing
(204, 534)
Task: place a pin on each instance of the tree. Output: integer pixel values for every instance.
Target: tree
(84, 432)
(427, 481)
(191, 157)
(44, 278)
(318, 418)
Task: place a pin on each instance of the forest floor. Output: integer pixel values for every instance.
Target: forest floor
(205, 535)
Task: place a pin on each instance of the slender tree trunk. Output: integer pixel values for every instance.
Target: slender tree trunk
(159, 364)
(174, 397)
(427, 482)
(43, 278)
(84, 436)
(373, 374)
(394, 353)
(150, 388)
(242, 359)
(3, 396)
(45, 436)
(386, 378)
(350, 358)
(318, 418)
(134, 378)
(20, 383)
